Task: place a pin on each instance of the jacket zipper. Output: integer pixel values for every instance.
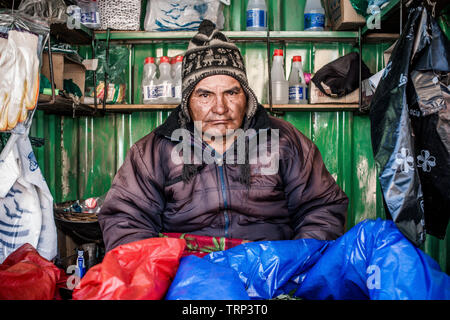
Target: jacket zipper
(225, 201)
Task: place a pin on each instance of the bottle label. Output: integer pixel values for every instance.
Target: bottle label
(314, 20)
(176, 92)
(150, 92)
(256, 18)
(297, 93)
(165, 90)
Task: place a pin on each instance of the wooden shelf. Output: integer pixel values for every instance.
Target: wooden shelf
(65, 107)
(62, 33)
(158, 36)
(283, 107)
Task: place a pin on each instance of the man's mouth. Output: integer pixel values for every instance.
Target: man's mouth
(215, 122)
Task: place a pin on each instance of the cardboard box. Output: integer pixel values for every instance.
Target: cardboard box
(317, 96)
(64, 68)
(343, 16)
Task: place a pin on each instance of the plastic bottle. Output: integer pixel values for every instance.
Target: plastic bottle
(256, 15)
(149, 82)
(90, 16)
(314, 16)
(93, 204)
(165, 81)
(297, 83)
(176, 89)
(81, 267)
(280, 86)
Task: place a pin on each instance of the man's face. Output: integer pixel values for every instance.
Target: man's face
(220, 103)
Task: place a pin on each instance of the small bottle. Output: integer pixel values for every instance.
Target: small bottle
(297, 83)
(90, 16)
(256, 15)
(81, 267)
(314, 16)
(280, 86)
(165, 81)
(149, 82)
(177, 68)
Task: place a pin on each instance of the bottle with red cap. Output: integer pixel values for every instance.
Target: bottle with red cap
(150, 82)
(280, 86)
(177, 68)
(297, 83)
(165, 81)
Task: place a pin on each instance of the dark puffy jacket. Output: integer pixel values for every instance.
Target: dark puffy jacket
(148, 195)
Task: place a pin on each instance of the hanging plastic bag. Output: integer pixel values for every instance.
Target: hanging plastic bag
(54, 11)
(25, 275)
(178, 15)
(21, 43)
(117, 75)
(141, 270)
(410, 128)
(26, 204)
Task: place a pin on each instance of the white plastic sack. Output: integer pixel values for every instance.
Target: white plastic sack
(179, 15)
(26, 204)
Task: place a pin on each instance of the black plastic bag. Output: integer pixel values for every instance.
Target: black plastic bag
(410, 121)
(341, 76)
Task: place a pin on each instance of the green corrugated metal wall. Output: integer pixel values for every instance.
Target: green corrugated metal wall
(82, 155)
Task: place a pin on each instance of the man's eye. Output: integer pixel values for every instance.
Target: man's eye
(204, 95)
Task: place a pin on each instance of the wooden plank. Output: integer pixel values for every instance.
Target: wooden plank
(286, 107)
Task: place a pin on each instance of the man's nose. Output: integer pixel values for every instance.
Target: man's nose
(220, 106)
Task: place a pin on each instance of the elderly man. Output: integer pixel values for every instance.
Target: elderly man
(169, 184)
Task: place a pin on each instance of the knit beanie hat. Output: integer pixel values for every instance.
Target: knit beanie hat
(209, 53)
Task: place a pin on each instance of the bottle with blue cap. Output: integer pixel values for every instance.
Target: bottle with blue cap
(81, 266)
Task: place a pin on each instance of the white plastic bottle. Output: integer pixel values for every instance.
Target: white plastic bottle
(314, 16)
(165, 81)
(176, 89)
(297, 83)
(280, 86)
(90, 16)
(256, 15)
(149, 82)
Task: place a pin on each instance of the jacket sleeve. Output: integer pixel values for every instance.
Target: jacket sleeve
(133, 206)
(317, 205)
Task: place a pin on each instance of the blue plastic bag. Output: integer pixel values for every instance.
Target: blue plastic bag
(373, 260)
(199, 279)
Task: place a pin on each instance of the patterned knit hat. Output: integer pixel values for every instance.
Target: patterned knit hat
(209, 53)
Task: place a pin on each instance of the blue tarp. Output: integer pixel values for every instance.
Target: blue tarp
(373, 260)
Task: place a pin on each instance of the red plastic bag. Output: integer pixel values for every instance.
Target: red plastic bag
(25, 275)
(141, 270)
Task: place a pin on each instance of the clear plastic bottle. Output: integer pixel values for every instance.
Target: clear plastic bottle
(165, 81)
(90, 16)
(176, 89)
(314, 16)
(256, 15)
(150, 82)
(280, 86)
(297, 83)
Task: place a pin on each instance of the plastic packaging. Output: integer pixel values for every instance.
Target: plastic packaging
(53, 11)
(165, 81)
(150, 82)
(90, 16)
(314, 16)
(25, 275)
(141, 270)
(373, 260)
(297, 83)
(22, 38)
(182, 15)
(256, 15)
(177, 69)
(280, 86)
